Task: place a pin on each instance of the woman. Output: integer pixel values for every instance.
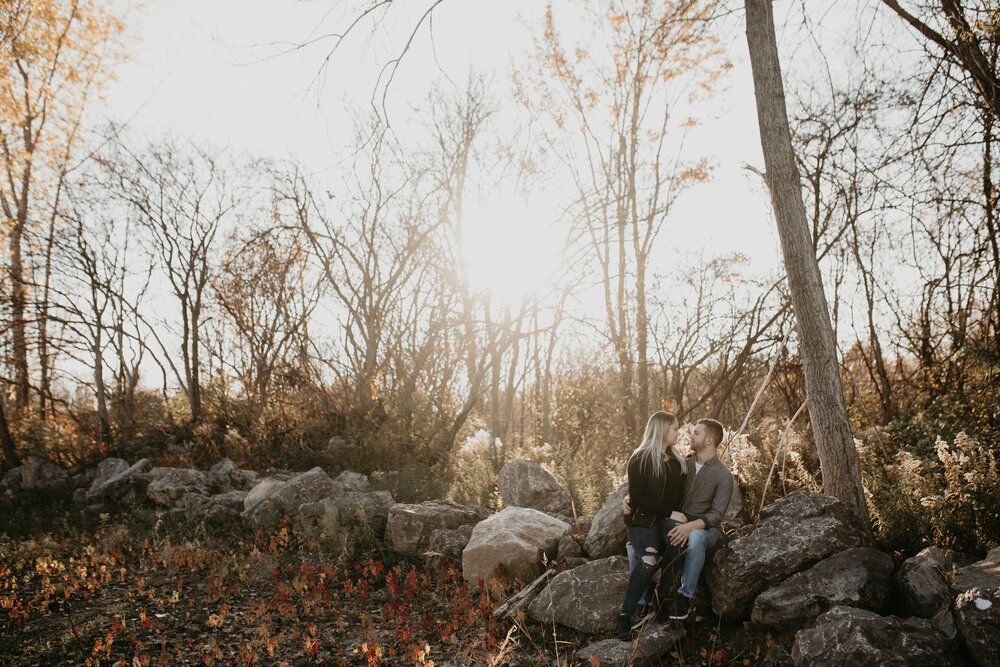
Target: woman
(656, 489)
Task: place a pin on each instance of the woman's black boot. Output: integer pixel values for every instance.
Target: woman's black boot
(624, 627)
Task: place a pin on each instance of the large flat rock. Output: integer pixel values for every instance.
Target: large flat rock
(510, 544)
(858, 637)
(409, 526)
(859, 577)
(586, 598)
(607, 531)
(977, 615)
(653, 642)
(794, 533)
(527, 484)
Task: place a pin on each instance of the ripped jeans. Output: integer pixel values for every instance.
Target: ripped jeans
(654, 550)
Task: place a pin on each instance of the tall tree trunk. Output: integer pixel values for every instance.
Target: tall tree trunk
(993, 312)
(18, 326)
(6, 441)
(828, 414)
(641, 338)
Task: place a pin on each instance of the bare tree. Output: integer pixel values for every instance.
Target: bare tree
(619, 94)
(267, 295)
(55, 57)
(828, 413)
(182, 200)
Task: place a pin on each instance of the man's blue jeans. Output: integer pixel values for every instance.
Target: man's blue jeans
(699, 543)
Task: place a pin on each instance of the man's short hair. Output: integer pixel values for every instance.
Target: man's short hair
(714, 429)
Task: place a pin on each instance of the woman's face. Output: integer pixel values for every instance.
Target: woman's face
(673, 431)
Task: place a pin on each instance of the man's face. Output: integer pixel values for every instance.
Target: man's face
(699, 438)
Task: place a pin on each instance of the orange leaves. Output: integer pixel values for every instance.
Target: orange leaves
(292, 610)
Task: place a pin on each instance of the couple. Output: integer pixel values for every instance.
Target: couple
(672, 502)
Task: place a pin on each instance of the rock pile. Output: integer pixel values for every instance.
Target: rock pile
(804, 571)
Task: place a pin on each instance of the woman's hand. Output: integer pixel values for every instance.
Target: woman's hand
(678, 517)
(626, 508)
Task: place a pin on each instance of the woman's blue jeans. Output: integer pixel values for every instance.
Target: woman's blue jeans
(653, 549)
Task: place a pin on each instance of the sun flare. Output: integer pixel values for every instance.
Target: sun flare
(512, 249)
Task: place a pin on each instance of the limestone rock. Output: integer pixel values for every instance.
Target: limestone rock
(40, 474)
(106, 469)
(11, 482)
(125, 483)
(921, 588)
(850, 636)
(261, 490)
(351, 481)
(607, 530)
(409, 527)
(308, 487)
(977, 615)
(226, 476)
(859, 577)
(586, 598)
(983, 574)
(658, 640)
(219, 506)
(450, 542)
(568, 548)
(794, 533)
(802, 505)
(168, 486)
(345, 509)
(510, 544)
(527, 484)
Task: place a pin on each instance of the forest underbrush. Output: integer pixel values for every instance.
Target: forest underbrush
(120, 587)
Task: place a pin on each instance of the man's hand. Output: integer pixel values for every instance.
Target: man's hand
(678, 517)
(679, 534)
(626, 508)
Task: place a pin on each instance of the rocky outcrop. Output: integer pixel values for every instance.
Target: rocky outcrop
(409, 527)
(125, 484)
(308, 487)
(850, 636)
(168, 486)
(349, 481)
(449, 542)
(527, 484)
(794, 532)
(977, 615)
(509, 545)
(262, 489)
(586, 598)
(226, 476)
(607, 530)
(352, 508)
(859, 577)
(658, 640)
(982, 574)
(920, 585)
(106, 469)
(219, 507)
(40, 474)
(568, 548)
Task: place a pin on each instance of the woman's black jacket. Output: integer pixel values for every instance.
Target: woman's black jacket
(651, 494)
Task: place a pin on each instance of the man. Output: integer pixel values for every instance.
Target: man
(709, 490)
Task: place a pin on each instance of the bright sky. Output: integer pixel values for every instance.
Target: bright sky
(202, 70)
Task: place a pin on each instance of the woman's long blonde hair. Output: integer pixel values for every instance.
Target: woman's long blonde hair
(653, 448)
